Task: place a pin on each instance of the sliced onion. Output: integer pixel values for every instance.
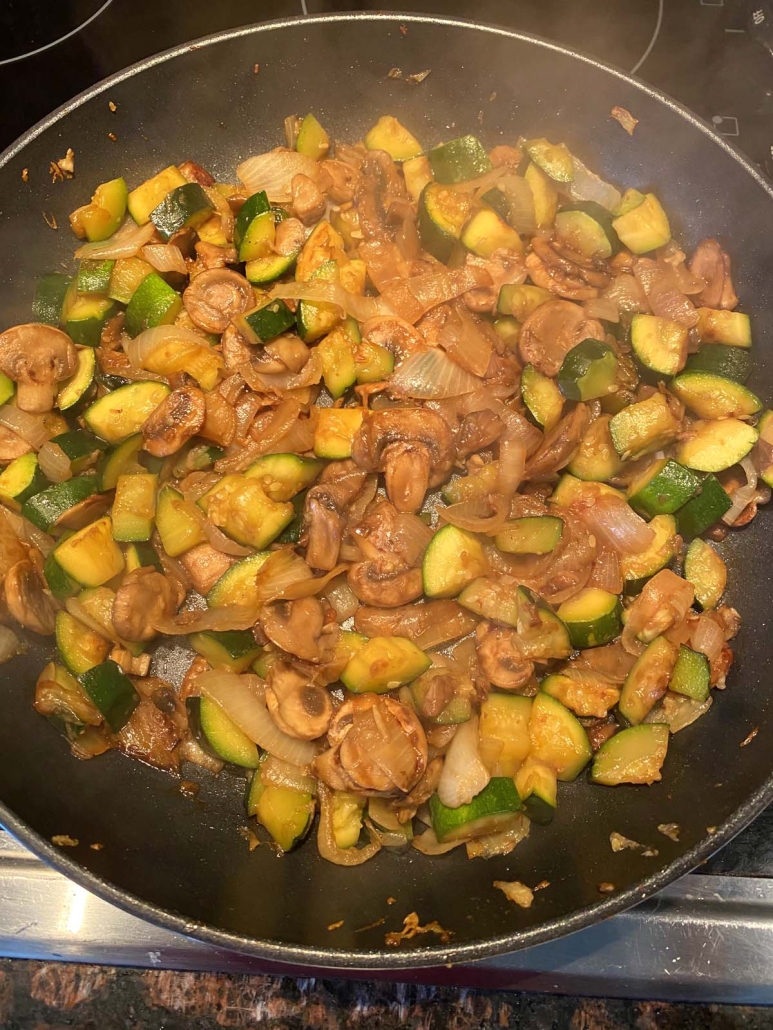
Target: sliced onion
(241, 456)
(127, 242)
(428, 844)
(142, 346)
(326, 841)
(523, 217)
(602, 307)
(464, 775)
(385, 264)
(411, 537)
(414, 297)
(299, 438)
(227, 219)
(617, 525)
(191, 751)
(688, 282)
(479, 515)
(501, 843)
(274, 171)
(744, 494)
(341, 598)
(607, 574)
(463, 339)
(281, 570)
(511, 465)
(627, 294)
(586, 185)
(707, 636)
(54, 463)
(283, 774)
(663, 293)
(361, 308)
(386, 838)
(233, 616)
(31, 428)
(678, 711)
(164, 257)
(76, 609)
(431, 374)
(10, 644)
(242, 698)
(30, 534)
(310, 587)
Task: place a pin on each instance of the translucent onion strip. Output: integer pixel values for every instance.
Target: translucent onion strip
(274, 171)
(31, 428)
(127, 242)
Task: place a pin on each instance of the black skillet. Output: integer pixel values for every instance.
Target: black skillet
(183, 864)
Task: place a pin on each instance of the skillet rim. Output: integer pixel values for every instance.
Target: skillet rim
(343, 959)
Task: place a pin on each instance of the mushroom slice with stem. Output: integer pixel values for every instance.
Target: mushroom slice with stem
(295, 626)
(385, 582)
(412, 446)
(27, 599)
(299, 707)
(144, 597)
(176, 419)
(500, 657)
(377, 747)
(36, 357)
(217, 296)
(324, 512)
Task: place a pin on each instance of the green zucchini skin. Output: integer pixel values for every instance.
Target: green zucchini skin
(112, 692)
(459, 160)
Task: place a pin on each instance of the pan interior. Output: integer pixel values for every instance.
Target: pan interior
(184, 862)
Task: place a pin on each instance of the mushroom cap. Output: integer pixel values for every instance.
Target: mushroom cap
(37, 353)
(215, 297)
(403, 425)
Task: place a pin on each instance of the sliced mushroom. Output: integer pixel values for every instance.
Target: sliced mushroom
(308, 201)
(209, 255)
(500, 657)
(377, 747)
(324, 512)
(559, 445)
(299, 707)
(712, 264)
(177, 418)
(11, 548)
(386, 582)
(151, 736)
(339, 180)
(193, 172)
(216, 297)
(36, 357)
(409, 470)
(290, 235)
(144, 597)
(550, 332)
(12, 445)
(27, 599)
(295, 626)
(219, 424)
(205, 565)
(397, 335)
(479, 429)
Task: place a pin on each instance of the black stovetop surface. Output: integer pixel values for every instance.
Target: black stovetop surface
(714, 56)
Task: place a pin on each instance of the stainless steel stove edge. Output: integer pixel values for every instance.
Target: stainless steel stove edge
(703, 938)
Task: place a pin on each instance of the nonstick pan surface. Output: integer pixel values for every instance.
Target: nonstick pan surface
(182, 863)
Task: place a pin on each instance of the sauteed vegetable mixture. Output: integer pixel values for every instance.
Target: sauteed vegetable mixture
(418, 453)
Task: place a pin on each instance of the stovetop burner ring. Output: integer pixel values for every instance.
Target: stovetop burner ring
(59, 39)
